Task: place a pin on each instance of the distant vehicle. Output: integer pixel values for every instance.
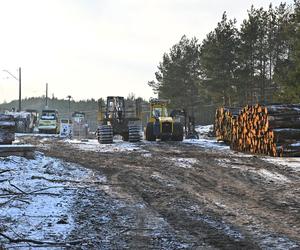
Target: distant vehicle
(49, 122)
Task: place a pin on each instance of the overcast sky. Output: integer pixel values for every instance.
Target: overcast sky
(94, 48)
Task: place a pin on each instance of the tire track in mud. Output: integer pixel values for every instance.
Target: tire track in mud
(139, 184)
(270, 224)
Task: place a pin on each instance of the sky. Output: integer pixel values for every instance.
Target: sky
(95, 48)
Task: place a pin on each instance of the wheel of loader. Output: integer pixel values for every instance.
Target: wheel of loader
(149, 132)
(177, 132)
(105, 134)
(134, 132)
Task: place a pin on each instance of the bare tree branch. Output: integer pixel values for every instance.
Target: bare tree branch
(19, 240)
(19, 189)
(4, 171)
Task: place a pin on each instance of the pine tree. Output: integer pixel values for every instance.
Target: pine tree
(219, 61)
(287, 72)
(178, 74)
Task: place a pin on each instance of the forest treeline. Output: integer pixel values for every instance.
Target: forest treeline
(62, 105)
(257, 62)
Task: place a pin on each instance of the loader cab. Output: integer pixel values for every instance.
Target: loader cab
(159, 111)
(78, 117)
(158, 108)
(115, 107)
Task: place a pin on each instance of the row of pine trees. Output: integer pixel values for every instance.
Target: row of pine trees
(257, 62)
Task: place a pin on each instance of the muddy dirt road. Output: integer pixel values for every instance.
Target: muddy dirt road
(168, 195)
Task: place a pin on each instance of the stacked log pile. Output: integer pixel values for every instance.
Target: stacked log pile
(272, 130)
(7, 129)
(224, 119)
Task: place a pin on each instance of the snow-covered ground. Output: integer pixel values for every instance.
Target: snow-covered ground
(207, 143)
(16, 146)
(204, 140)
(203, 131)
(183, 162)
(36, 196)
(94, 145)
(36, 135)
(290, 162)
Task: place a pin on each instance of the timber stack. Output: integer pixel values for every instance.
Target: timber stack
(271, 130)
(7, 129)
(224, 119)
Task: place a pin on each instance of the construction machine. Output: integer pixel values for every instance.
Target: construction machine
(114, 119)
(160, 125)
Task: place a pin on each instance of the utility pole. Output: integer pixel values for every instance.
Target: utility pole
(69, 97)
(46, 95)
(20, 90)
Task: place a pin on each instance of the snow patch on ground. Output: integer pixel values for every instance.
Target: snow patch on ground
(94, 145)
(16, 146)
(36, 197)
(36, 135)
(163, 180)
(269, 176)
(147, 155)
(204, 131)
(264, 174)
(207, 143)
(228, 163)
(290, 162)
(184, 162)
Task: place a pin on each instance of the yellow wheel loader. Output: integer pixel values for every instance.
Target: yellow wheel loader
(160, 125)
